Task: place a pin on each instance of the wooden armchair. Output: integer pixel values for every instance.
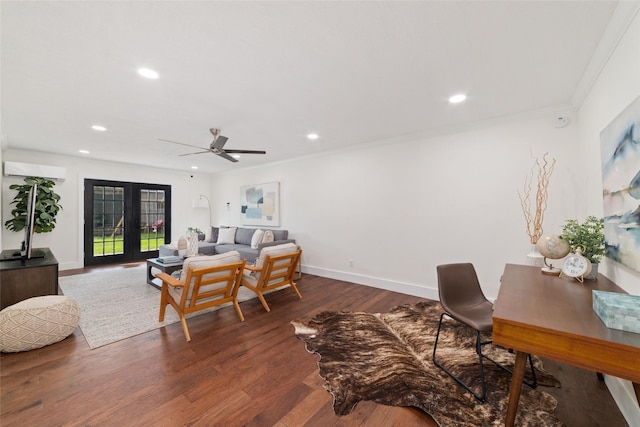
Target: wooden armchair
(206, 281)
(275, 267)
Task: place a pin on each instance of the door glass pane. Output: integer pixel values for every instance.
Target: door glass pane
(108, 220)
(151, 219)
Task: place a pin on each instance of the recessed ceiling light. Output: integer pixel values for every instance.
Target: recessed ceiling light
(194, 167)
(312, 136)
(235, 156)
(84, 151)
(148, 73)
(457, 98)
(98, 128)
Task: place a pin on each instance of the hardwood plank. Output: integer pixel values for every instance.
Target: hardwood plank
(232, 373)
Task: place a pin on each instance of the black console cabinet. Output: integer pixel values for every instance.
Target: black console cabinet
(23, 279)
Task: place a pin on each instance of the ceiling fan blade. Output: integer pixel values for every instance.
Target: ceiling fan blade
(199, 152)
(219, 142)
(228, 157)
(181, 143)
(246, 151)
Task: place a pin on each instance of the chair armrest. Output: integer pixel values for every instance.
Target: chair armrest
(170, 280)
(252, 268)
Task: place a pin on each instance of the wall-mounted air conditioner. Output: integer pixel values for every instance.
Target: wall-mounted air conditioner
(27, 169)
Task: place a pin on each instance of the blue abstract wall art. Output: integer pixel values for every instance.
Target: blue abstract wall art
(620, 143)
(260, 204)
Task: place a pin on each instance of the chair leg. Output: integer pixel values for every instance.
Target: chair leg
(163, 303)
(480, 397)
(184, 327)
(533, 383)
(295, 289)
(237, 307)
(263, 301)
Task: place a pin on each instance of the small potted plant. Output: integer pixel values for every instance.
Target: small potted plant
(589, 237)
(195, 230)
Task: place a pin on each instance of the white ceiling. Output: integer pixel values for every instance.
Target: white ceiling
(268, 73)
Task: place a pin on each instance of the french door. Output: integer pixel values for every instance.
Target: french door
(124, 221)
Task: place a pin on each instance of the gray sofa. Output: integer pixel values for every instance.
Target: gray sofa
(242, 244)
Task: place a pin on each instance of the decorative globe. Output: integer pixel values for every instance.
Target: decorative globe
(552, 246)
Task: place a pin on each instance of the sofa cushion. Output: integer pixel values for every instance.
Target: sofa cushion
(257, 238)
(206, 248)
(244, 235)
(280, 234)
(245, 251)
(227, 235)
(214, 235)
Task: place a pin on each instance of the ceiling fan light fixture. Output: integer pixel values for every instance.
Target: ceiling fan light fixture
(148, 73)
(456, 99)
(235, 156)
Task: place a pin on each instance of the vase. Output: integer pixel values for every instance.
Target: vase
(593, 275)
(534, 257)
(182, 246)
(192, 249)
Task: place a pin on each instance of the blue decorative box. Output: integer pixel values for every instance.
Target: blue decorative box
(618, 311)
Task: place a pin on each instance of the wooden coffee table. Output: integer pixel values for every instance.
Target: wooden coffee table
(164, 267)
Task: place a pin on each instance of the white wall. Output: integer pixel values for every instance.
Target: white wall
(617, 86)
(398, 209)
(66, 239)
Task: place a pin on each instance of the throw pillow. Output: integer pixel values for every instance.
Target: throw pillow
(268, 236)
(227, 235)
(257, 238)
(244, 235)
(214, 235)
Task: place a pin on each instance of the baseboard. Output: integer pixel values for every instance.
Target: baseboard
(389, 285)
(625, 397)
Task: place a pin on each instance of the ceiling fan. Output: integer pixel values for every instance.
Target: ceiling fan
(216, 147)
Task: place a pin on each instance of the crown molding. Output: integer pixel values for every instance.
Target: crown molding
(620, 21)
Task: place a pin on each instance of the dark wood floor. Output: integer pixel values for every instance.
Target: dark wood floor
(253, 373)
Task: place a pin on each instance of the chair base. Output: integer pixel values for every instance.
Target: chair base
(482, 396)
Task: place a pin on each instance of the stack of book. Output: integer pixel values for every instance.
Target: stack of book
(172, 259)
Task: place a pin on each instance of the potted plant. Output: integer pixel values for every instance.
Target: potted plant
(195, 230)
(46, 208)
(589, 237)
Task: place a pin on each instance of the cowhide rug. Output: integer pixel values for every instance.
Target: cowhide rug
(386, 358)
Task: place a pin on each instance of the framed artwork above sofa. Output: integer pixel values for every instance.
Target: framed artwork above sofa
(260, 204)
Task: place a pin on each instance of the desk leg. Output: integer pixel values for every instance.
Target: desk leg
(516, 387)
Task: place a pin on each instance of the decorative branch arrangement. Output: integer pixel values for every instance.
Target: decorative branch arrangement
(543, 170)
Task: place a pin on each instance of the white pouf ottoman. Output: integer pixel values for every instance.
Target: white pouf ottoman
(38, 321)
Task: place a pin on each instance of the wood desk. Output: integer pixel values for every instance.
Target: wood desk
(552, 317)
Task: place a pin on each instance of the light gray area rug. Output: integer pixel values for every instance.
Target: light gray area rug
(119, 304)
